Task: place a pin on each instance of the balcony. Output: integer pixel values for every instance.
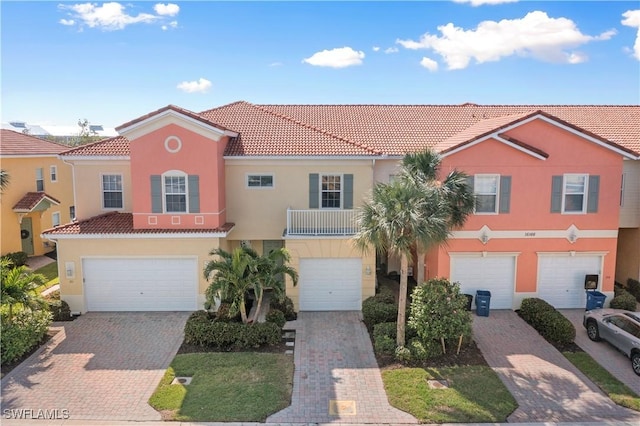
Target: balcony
(321, 222)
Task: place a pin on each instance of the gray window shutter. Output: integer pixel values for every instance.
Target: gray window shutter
(314, 190)
(194, 194)
(156, 194)
(556, 194)
(348, 191)
(594, 189)
(505, 194)
(469, 182)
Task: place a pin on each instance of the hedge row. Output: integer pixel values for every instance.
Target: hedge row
(26, 329)
(203, 329)
(550, 323)
(623, 300)
(379, 309)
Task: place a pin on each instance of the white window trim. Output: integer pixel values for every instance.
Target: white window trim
(584, 195)
(497, 194)
(53, 221)
(246, 180)
(624, 175)
(175, 173)
(53, 173)
(102, 191)
(341, 175)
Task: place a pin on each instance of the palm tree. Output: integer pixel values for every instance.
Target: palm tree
(414, 211)
(270, 272)
(4, 180)
(19, 286)
(231, 276)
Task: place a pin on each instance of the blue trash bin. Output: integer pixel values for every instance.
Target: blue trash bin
(483, 302)
(595, 300)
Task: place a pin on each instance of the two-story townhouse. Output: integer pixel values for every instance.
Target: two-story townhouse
(153, 202)
(39, 195)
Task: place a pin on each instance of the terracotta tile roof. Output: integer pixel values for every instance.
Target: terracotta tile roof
(396, 129)
(115, 223)
(14, 143)
(183, 111)
(263, 132)
(117, 146)
(31, 199)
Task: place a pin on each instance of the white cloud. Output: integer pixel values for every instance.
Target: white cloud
(114, 16)
(391, 50)
(202, 85)
(341, 57)
(632, 19)
(168, 9)
(536, 35)
(276, 64)
(429, 64)
(376, 48)
(483, 2)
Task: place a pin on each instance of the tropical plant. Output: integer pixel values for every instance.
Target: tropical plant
(4, 179)
(18, 288)
(269, 274)
(414, 211)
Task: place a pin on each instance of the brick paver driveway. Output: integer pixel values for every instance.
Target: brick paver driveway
(336, 370)
(547, 387)
(102, 366)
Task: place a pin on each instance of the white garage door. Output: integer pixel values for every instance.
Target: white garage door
(493, 273)
(330, 284)
(140, 284)
(561, 279)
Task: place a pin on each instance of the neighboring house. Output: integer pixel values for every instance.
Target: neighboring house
(39, 195)
(153, 202)
(57, 132)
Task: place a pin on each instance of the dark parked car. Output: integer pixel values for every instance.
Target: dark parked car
(618, 327)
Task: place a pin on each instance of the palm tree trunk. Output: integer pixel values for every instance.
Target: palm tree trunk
(258, 307)
(402, 299)
(243, 312)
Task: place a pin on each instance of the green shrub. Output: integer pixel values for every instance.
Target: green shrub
(59, 309)
(624, 300)
(285, 306)
(224, 312)
(547, 321)
(277, 317)
(386, 295)
(17, 258)
(25, 331)
(633, 286)
(389, 329)
(375, 311)
(403, 353)
(384, 345)
(422, 351)
(203, 329)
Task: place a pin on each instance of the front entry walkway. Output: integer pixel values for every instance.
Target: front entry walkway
(336, 377)
(547, 387)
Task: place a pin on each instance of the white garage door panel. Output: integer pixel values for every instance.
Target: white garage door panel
(163, 284)
(493, 273)
(330, 284)
(561, 279)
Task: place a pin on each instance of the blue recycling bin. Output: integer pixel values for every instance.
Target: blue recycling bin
(595, 300)
(483, 302)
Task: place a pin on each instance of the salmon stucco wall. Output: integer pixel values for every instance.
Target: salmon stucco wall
(174, 148)
(330, 248)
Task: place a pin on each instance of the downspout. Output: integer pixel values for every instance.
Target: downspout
(73, 178)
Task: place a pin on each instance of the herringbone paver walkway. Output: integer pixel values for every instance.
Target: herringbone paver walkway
(334, 361)
(102, 366)
(547, 387)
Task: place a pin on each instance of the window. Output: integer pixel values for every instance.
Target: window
(486, 188)
(175, 192)
(574, 193)
(72, 213)
(260, 181)
(55, 219)
(112, 192)
(53, 173)
(330, 191)
(39, 180)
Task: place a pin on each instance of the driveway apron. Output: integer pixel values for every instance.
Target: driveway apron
(547, 387)
(102, 366)
(336, 379)
(603, 353)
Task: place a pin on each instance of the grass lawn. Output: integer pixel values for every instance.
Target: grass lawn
(50, 272)
(475, 394)
(226, 387)
(617, 391)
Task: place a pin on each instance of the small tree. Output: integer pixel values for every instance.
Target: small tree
(19, 286)
(438, 311)
(269, 274)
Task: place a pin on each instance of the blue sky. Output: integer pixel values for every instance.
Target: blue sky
(114, 61)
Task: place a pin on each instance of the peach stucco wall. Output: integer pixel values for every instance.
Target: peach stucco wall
(198, 155)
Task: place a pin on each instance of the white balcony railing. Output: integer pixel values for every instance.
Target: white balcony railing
(321, 222)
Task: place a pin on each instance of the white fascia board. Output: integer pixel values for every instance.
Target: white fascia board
(301, 157)
(136, 128)
(30, 156)
(95, 157)
(176, 235)
(519, 148)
